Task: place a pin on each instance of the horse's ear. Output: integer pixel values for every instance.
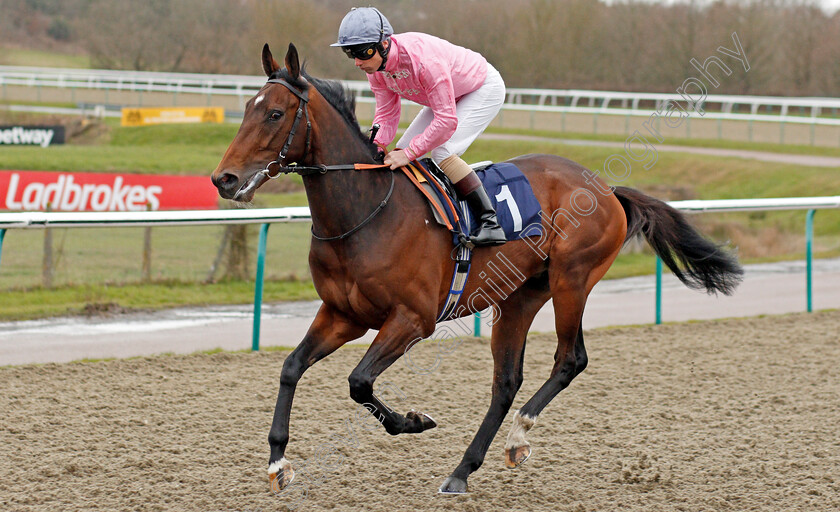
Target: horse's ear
(270, 66)
(292, 61)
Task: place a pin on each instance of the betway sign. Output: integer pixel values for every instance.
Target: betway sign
(32, 135)
(31, 190)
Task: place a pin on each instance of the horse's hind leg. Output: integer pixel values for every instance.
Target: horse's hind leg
(508, 347)
(569, 360)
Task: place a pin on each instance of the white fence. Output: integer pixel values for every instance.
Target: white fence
(42, 220)
(757, 205)
(810, 111)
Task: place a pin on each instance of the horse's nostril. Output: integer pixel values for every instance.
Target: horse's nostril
(227, 183)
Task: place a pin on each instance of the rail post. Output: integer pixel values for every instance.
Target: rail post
(2, 236)
(809, 268)
(658, 290)
(258, 289)
(47, 259)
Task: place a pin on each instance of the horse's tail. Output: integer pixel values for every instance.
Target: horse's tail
(697, 262)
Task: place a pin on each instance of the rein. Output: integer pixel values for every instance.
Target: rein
(306, 170)
(362, 224)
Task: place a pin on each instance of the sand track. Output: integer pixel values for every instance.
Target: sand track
(720, 415)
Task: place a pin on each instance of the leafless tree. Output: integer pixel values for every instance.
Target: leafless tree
(793, 46)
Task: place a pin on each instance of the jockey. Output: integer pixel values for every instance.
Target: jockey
(460, 91)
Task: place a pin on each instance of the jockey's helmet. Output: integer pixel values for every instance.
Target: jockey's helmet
(362, 33)
(363, 25)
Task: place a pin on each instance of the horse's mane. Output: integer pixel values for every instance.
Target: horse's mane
(337, 95)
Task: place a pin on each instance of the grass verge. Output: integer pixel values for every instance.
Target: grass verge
(102, 299)
(39, 58)
(793, 149)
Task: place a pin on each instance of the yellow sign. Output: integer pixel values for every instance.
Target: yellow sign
(147, 116)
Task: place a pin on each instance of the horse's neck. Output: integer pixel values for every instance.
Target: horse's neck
(339, 200)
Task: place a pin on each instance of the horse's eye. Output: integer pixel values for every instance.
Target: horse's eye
(275, 115)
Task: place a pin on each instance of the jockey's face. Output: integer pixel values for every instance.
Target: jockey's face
(370, 65)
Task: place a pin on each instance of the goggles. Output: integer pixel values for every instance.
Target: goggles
(360, 51)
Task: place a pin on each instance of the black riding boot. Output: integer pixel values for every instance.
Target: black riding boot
(489, 232)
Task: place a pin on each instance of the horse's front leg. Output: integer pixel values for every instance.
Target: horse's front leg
(401, 328)
(328, 331)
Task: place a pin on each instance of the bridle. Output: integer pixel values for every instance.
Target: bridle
(304, 170)
(302, 110)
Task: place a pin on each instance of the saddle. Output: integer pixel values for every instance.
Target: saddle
(505, 183)
(517, 208)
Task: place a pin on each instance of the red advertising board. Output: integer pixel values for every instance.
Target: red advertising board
(62, 191)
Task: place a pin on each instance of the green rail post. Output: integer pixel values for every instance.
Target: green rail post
(258, 290)
(658, 290)
(809, 264)
(2, 236)
(477, 324)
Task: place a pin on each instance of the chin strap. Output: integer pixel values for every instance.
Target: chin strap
(383, 52)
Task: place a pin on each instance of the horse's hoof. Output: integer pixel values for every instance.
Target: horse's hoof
(280, 475)
(453, 485)
(422, 421)
(514, 457)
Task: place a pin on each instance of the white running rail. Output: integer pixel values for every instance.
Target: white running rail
(800, 110)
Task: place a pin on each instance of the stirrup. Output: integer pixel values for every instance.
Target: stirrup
(491, 240)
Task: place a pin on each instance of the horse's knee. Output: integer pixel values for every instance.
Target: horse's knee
(293, 368)
(361, 387)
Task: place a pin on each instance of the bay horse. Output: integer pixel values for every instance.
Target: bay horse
(378, 260)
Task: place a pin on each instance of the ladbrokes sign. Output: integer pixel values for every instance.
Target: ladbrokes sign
(31, 190)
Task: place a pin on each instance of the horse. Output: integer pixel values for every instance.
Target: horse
(379, 261)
